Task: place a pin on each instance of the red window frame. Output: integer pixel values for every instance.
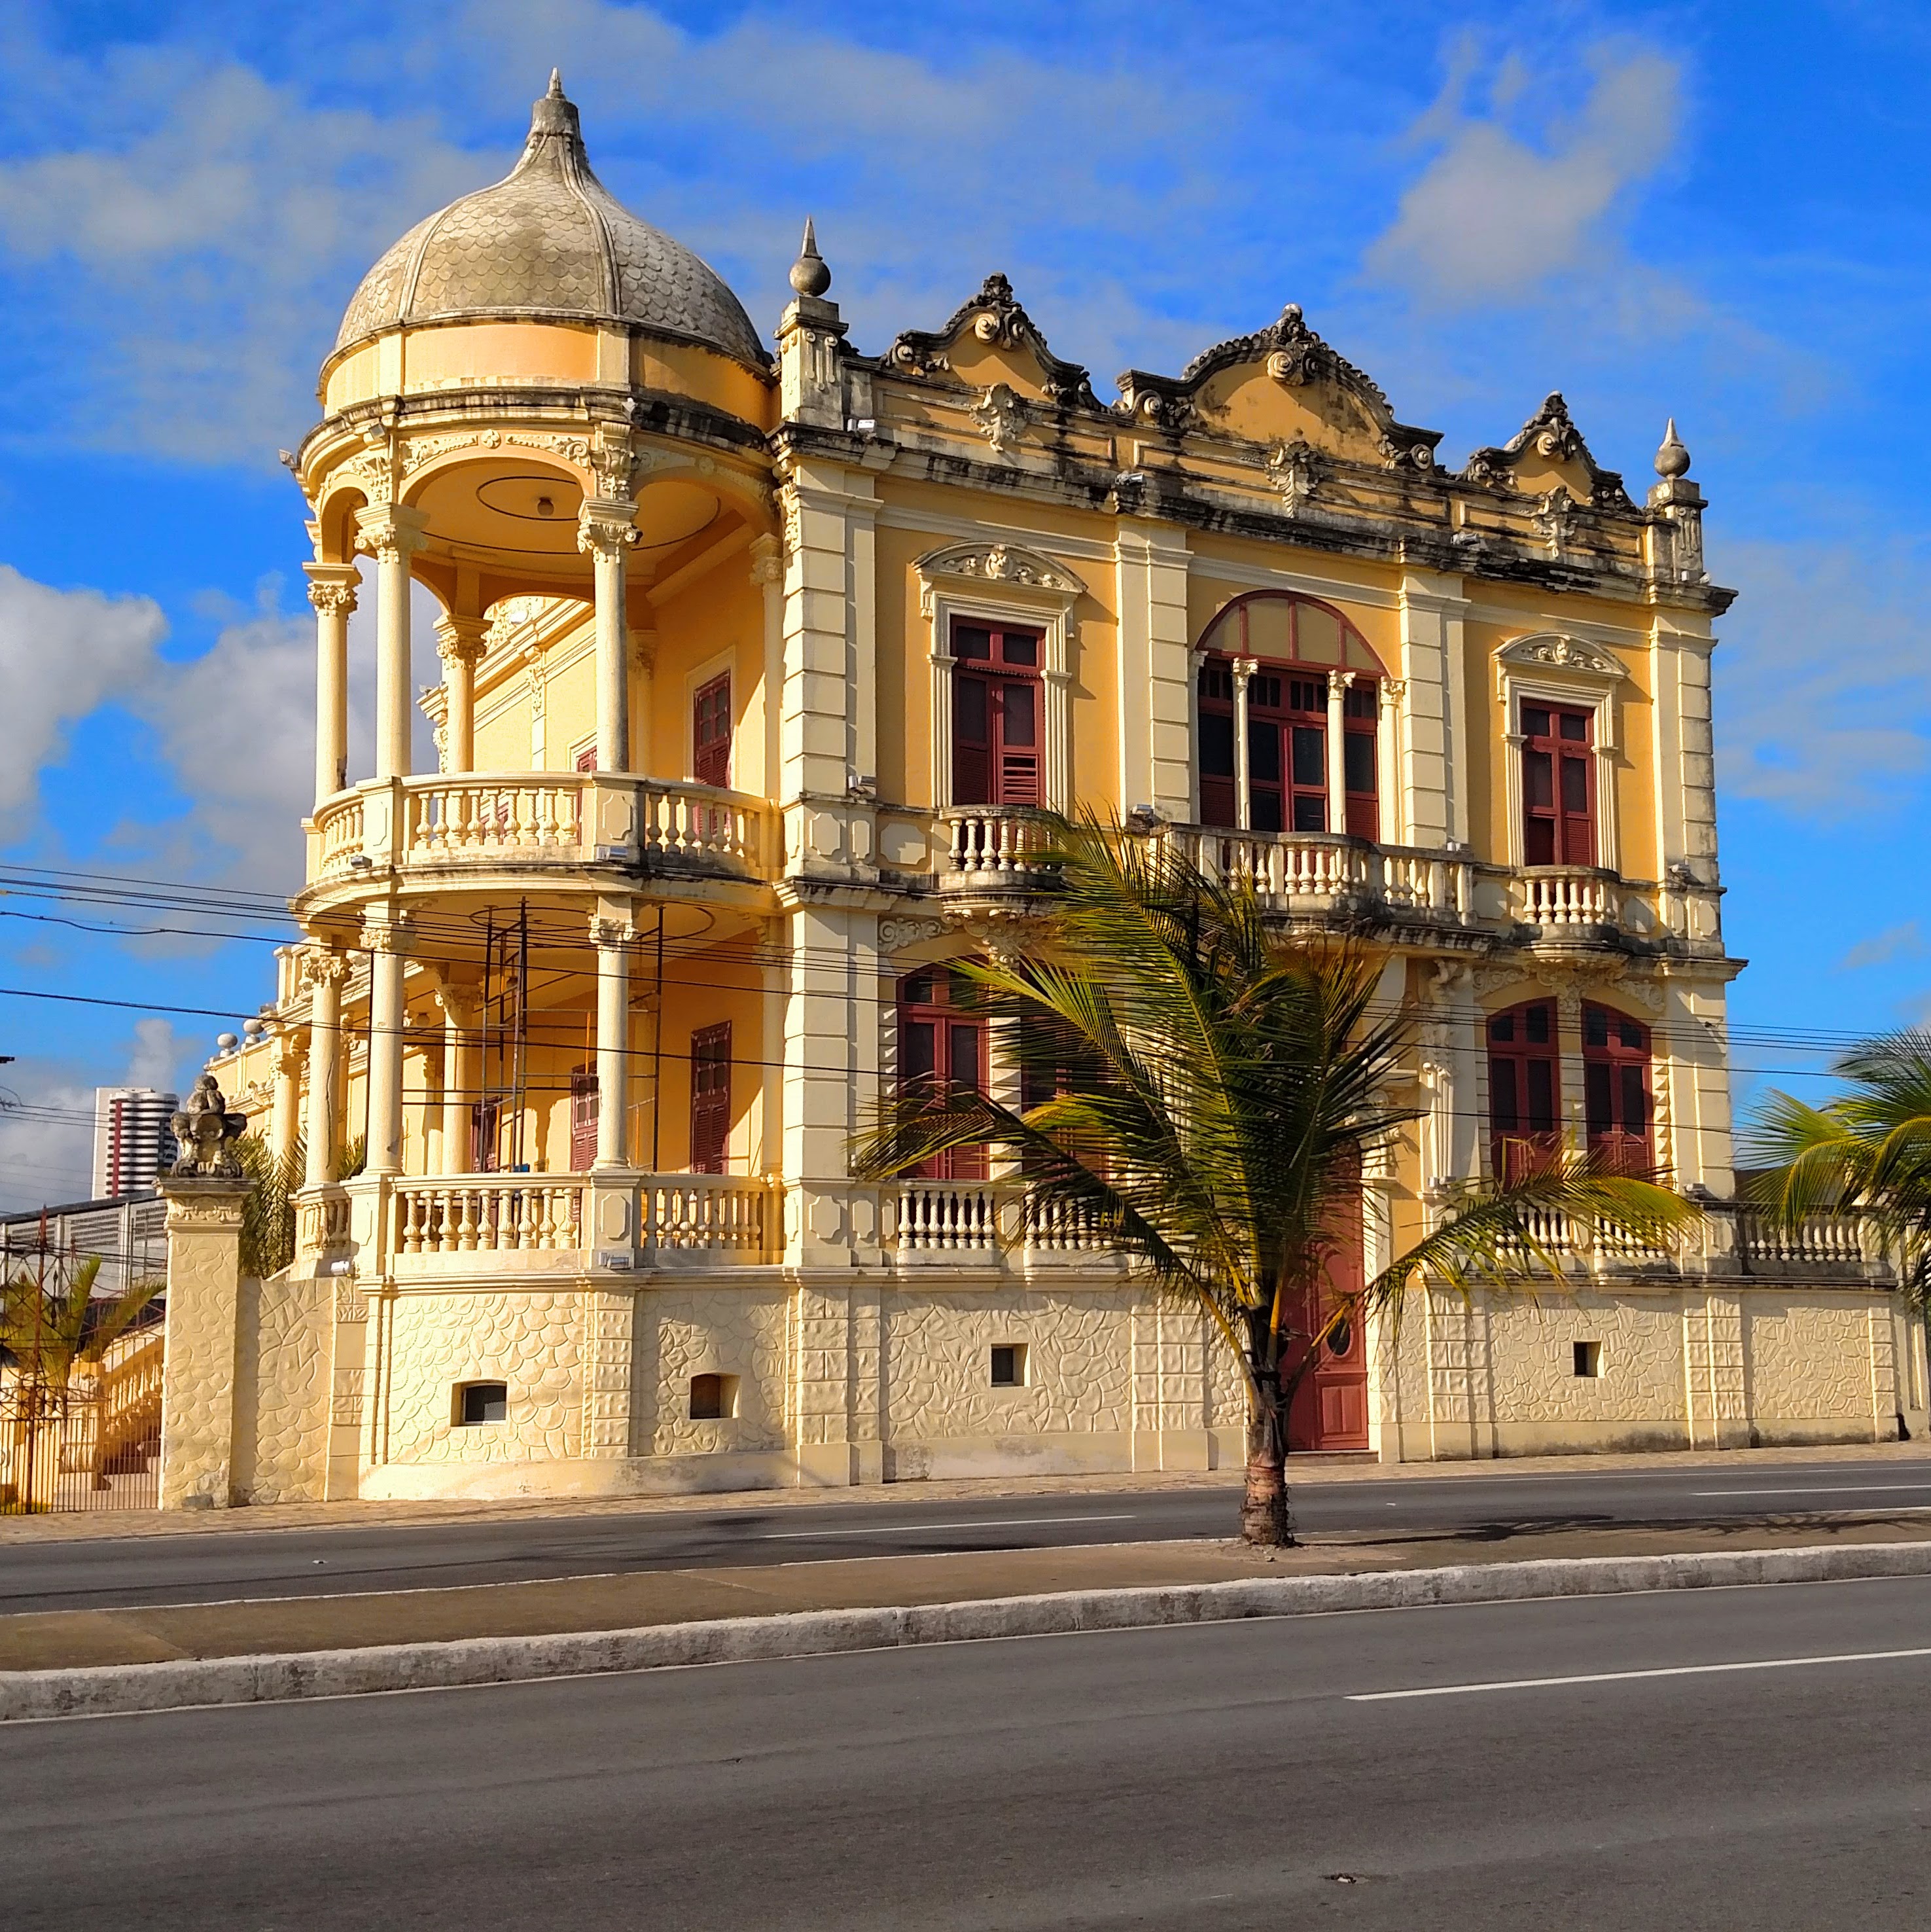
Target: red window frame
(998, 713)
(583, 1119)
(1618, 1107)
(587, 759)
(1524, 1086)
(1558, 784)
(710, 732)
(941, 1046)
(710, 1097)
(486, 1118)
(1360, 724)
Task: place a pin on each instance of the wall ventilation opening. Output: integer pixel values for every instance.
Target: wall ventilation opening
(1009, 1365)
(1589, 1359)
(481, 1401)
(713, 1398)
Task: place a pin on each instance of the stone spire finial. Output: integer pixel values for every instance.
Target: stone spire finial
(556, 84)
(556, 113)
(1672, 460)
(809, 274)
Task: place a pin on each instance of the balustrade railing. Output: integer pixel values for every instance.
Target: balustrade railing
(989, 847)
(708, 1213)
(1562, 899)
(487, 1214)
(470, 817)
(938, 1217)
(1835, 1242)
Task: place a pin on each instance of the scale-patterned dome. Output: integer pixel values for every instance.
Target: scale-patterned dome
(548, 241)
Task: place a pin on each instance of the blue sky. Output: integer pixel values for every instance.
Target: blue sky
(1713, 210)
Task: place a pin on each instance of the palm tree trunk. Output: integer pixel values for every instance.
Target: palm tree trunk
(1263, 1508)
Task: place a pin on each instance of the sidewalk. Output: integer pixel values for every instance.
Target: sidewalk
(1302, 1471)
(67, 1639)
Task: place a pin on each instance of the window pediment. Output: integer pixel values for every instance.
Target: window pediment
(996, 566)
(1554, 651)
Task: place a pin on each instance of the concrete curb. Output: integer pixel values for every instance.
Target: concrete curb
(121, 1688)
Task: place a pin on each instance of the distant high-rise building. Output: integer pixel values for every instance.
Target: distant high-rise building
(132, 1141)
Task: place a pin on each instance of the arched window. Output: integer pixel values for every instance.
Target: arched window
(1616, 1102)
(1308, 688)
(941, 1045)
(1525, 1085)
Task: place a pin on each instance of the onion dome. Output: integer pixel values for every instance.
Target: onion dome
(548, 243)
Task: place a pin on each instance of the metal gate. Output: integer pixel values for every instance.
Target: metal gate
(95, 1444)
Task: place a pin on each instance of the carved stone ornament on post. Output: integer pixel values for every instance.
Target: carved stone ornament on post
(206, 1132)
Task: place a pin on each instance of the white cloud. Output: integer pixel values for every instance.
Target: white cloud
(159, 1050)
(62, 653)
(1505, 205)
(1823, 683)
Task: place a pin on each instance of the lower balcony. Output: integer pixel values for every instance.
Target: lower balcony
(987, 1223)
(412, 1226)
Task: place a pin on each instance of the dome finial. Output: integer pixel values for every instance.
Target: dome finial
(557, 83)
(1672, 460)
(556, 113)
(809, 274)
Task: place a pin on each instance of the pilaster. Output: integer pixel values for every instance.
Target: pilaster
(1434, 805)
(202, 1347)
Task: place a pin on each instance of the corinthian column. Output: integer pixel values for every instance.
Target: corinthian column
(1339, 683)
(331, 589)
(387, 1017)
(324, 971)
(613, 938)
(459, 643)
(392, 534)
(606, 528)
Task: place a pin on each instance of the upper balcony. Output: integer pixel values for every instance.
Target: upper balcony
(992, 856)
(539, 827)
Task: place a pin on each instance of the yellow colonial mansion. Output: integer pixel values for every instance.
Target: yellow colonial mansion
(750, 671)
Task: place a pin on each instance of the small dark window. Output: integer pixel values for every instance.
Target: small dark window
(1009, 1365)
(482, 1402)
(713, 1398)
(1589, 1359)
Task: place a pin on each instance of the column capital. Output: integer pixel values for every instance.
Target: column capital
(767, 560)
(1339, 683)
(391, 533)
(390, 934)
(611, 930)
(322, 965)
(460, 640)
(1244, 668)
(332, 587)
(606, 526)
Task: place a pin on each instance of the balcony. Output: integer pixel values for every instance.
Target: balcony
(988, 1223)
(441, 1226)
(1567, 905)
(992, 852)
(1319, 874)
(445, 825)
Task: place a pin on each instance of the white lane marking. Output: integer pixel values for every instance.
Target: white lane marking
(900, 1528)
(1826, 1489)
(1631, 1676)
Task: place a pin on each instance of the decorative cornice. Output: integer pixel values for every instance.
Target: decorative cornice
(998, 563)
(1550, 650)
(993, 317)
(1551, 435)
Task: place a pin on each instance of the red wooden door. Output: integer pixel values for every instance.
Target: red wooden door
(710, 733)
(1558, 787)
(939, 1046)
(583, 1119)
(1329, 1407)
(996, 716)
(1616, 1090)
(710, 1097)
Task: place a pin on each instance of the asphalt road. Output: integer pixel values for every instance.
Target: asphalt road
(190, 1568)
(1222, 1776)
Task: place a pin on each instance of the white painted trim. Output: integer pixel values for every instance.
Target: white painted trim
(1579, 687)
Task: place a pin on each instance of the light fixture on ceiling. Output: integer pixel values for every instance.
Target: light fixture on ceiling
(545, 507)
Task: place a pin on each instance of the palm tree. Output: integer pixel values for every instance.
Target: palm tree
(1210, 1093)
(268, 1209)
(1866, 1152)
(49, 1330)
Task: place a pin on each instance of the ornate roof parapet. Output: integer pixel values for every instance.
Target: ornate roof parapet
(1295, 357)
(994, 318)
(1551, 435)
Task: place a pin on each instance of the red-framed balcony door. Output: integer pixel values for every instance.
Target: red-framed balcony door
(1329, 1407)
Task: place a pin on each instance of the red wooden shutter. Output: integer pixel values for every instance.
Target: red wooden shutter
(583, 1119)
(587, 759)
(710, 1097)
(941, 1046)
(1525, 1085)
(1360, 714)
(710, 733)
(996, 716)
(1558, 787)
(1617, 1108)
(1217, 799)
